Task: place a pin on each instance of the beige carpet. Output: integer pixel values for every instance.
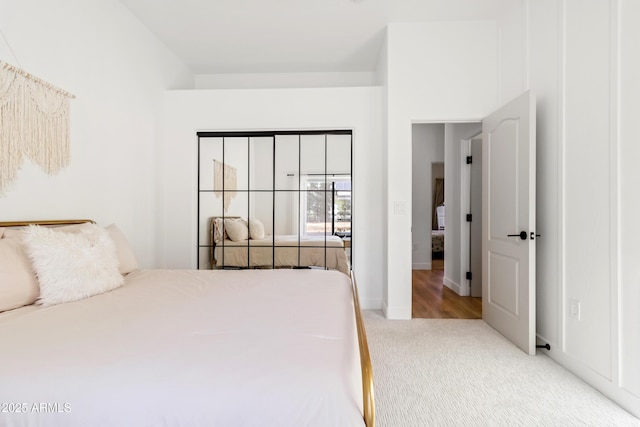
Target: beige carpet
(447, 372)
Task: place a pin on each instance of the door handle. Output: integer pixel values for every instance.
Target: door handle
(522, 235)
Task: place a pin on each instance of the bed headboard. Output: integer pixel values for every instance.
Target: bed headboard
(216, 235)
(215, 231)
(46, 222)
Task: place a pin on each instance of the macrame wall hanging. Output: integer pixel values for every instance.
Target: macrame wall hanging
(34, 123)
(227, 185)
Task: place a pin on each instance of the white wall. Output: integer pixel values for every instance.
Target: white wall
(583, 65)
(512, 45)
(628, 210)
(580, 59)
(436, 72)
(545, 78)
(284, 80)
(359, 109)
(382, 78)
(118, 70)
(427, 148)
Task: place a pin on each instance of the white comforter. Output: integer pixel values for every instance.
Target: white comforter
(187, 348)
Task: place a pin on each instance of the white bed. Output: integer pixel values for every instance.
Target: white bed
(191, 348)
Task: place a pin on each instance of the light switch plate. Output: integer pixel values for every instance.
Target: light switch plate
(574, 308)
(399, 207)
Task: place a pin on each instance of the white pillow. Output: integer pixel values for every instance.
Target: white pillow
(18, 285)
(10, 233)
(256, 229)
(72, 266)
(126, 258)
(236, 229)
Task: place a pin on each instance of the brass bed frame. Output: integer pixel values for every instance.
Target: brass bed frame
(368, 406)
(47, 222)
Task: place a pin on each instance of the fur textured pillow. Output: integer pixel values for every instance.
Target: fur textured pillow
(72, 266)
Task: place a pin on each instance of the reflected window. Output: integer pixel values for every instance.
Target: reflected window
(326, 206)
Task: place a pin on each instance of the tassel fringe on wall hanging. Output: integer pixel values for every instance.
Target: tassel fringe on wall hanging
(34, 123)
(228, 184)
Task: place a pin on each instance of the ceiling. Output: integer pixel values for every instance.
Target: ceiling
(291, 36)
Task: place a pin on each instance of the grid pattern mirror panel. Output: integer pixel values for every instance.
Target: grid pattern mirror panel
(280, 199)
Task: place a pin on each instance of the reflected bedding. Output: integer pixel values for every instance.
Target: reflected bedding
(260, 253)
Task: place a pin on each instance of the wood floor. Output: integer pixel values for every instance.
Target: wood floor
(433, 300)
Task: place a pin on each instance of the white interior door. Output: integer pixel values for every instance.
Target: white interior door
(475, 243)
(509, 220)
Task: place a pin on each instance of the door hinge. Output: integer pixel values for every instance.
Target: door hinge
(469, 217)
(469, 160)
(468, 275)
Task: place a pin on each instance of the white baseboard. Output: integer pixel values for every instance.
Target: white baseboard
(622, 397)
(452, 285)
(421, 266)
(396, 313)
(370, 304)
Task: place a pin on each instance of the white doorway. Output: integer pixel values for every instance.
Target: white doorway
(443, 154)
(434, 145)
(508, 220)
